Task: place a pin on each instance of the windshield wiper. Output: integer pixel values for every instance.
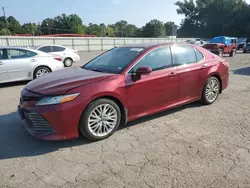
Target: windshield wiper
(97, 70)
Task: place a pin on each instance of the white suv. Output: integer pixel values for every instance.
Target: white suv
(68, 55)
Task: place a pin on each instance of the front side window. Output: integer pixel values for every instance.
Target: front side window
(46, 49)
(157, 60)
(114, 60)
(19, 53)
(57, 49)
(184, 55)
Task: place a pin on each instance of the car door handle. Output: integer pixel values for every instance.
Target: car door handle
(172, 74)
(33, 60)
(1, 63)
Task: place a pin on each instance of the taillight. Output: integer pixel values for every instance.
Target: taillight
(58, 58)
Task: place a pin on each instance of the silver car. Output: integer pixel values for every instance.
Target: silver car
(18, 64)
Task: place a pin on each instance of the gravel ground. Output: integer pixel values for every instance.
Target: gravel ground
(191, 146)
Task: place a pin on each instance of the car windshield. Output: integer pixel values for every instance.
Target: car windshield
(114, 60)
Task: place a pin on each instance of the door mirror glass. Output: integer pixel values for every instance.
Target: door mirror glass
(143, 70)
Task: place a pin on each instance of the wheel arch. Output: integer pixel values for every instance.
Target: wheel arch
(216, 75)
(124, 111)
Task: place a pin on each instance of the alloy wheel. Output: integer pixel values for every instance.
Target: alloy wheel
(212, 90)
(102, 120)
(41, 72)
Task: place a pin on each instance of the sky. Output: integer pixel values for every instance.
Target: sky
(137, 12)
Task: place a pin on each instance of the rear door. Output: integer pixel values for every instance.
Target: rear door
(19, 63)
(3, 66)
(191, 70)
(46, 49)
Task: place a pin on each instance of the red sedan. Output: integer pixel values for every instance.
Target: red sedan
(121, 85)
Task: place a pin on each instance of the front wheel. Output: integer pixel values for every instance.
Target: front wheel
(211, 91)
(41, 71)
(100, 119)
(220, 52)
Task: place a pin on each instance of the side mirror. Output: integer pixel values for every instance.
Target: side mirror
(143, 70)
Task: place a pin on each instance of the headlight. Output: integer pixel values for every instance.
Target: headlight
(56, 99)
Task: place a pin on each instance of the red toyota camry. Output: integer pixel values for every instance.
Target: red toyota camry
(120, 85)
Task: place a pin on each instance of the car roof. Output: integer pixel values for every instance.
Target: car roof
(152, 45)
(23, 48)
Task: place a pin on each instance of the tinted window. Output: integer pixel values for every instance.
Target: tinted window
(57, 49)
(199, 55)
(19, 53)
(184, 55)
(157, 60)
(1, 54)
(115, 60)
(45, 49)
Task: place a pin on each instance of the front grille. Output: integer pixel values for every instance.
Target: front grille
(36, 123)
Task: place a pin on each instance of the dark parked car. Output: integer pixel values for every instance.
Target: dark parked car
(120, 85)
(243, 43)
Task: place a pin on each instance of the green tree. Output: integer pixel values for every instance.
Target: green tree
(208, 18)
(13, 25)
(29, 28)
(154, 28)
(170, 28)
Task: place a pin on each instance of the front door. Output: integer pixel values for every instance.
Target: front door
(190, 69)
(156, 90)
(3, 67)
(19, 63)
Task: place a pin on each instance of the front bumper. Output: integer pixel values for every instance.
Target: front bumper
(54, 122)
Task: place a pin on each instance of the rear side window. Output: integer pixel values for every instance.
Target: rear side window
(199, 55)
(57, 49)
(19, 53)
(46, 49)
(184, 55)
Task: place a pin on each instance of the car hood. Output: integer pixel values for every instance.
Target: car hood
(60, 82)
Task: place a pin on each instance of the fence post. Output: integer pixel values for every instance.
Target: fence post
(102, 44)
(73, 43)
(88, 43)
(32, 41)
(54, 41)
(7, 41)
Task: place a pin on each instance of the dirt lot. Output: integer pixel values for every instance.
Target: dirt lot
(191, 146)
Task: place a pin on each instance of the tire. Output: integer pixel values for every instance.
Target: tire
(220, 53)
(41, 71)
(244, 51)
(216, 91)
(68, 62)
(233, 53)
(92, 127)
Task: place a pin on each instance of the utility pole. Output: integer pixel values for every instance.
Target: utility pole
(6, 21)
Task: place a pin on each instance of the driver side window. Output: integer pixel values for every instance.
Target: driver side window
(158, 59)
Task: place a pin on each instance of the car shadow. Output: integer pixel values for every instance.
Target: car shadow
(15, 141)
(13, 84)
(243, 71)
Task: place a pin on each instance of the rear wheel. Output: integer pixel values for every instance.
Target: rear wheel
(100, 119)
(244, 51)
(68, 62)
(211, 91)
(41, 71)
